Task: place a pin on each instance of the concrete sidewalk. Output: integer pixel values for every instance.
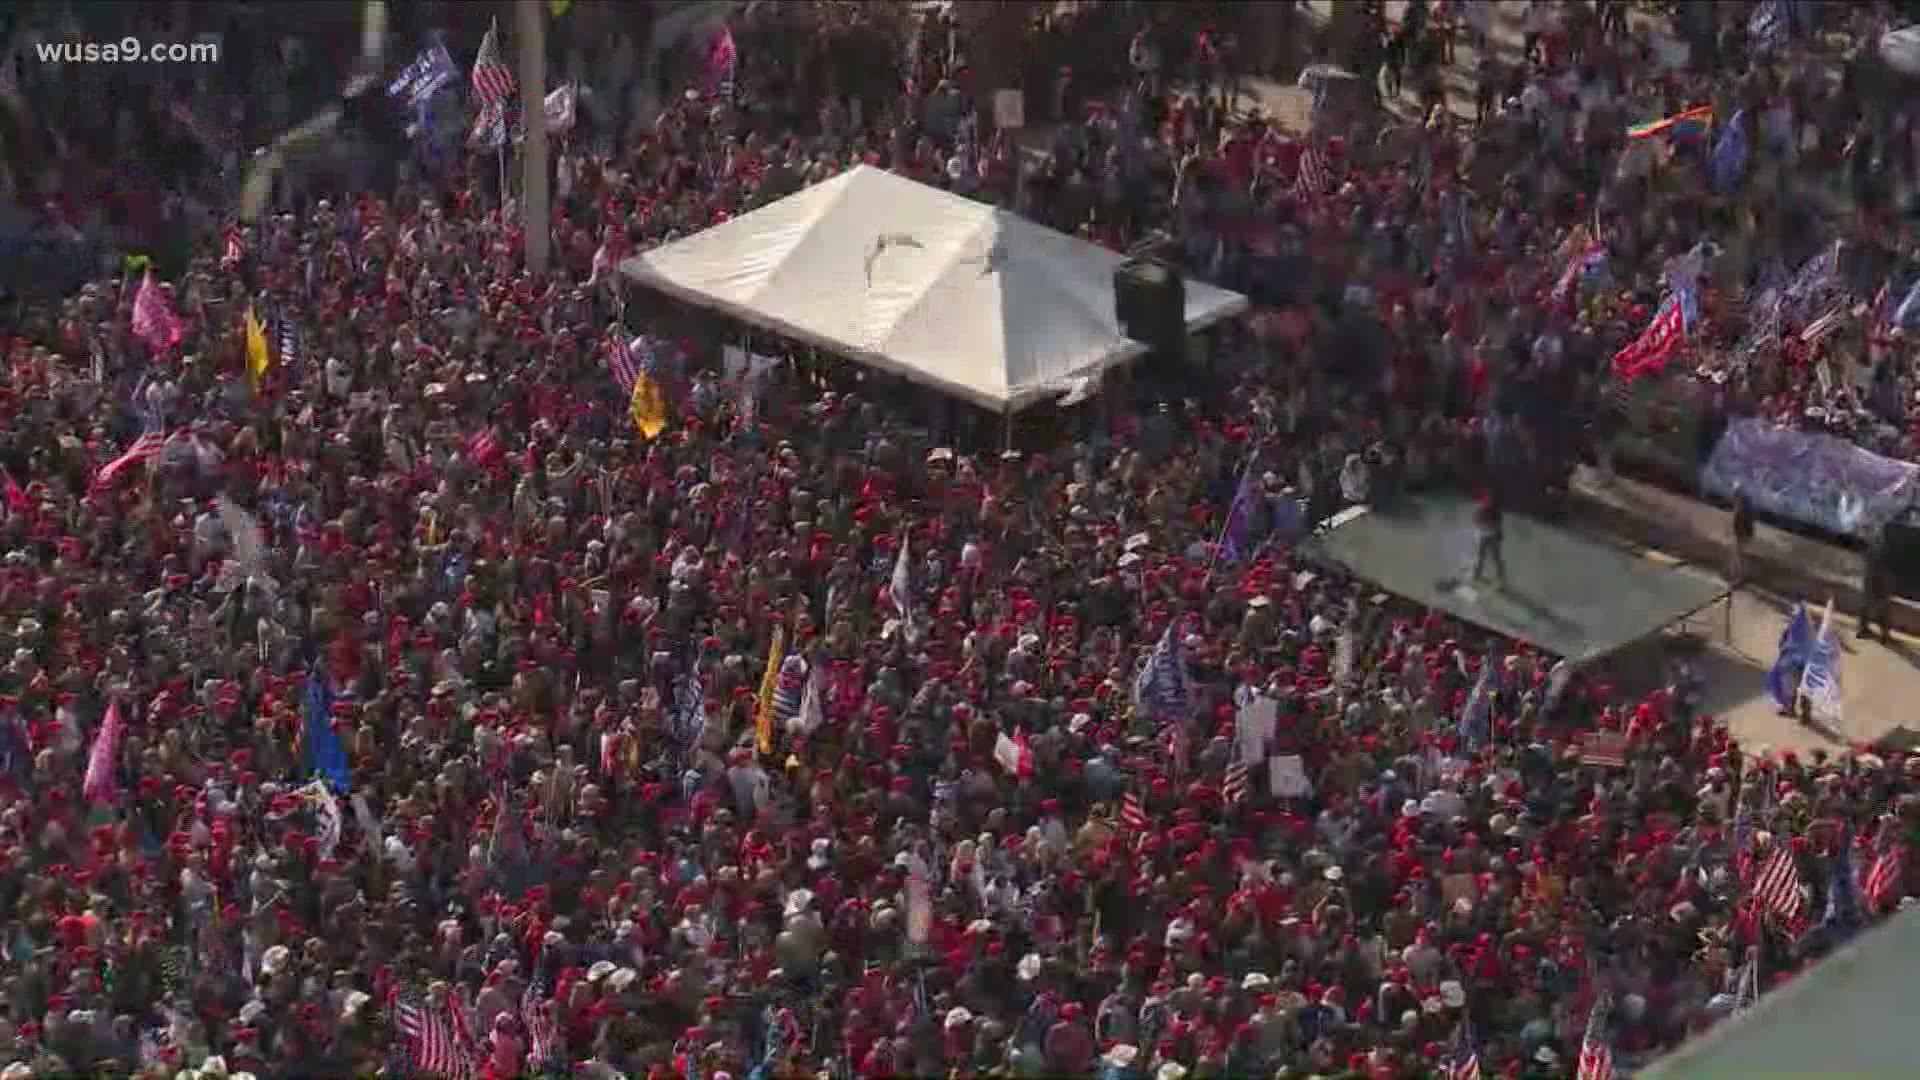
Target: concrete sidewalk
(1646, 517)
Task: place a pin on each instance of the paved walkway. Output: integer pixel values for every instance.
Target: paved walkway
(1880, 683)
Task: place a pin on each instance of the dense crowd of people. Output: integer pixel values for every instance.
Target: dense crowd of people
(395, 704)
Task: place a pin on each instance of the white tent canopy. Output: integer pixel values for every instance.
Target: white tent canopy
(975, 301)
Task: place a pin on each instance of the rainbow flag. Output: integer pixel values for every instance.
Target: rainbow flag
(1692, 121)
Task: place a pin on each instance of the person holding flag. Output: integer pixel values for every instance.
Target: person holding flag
(1790, 658)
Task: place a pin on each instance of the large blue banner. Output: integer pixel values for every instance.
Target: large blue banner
(1810, 478)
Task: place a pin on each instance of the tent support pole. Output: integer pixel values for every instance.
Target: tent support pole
(1006, 431)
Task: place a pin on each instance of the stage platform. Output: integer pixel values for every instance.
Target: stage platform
(1571, 596)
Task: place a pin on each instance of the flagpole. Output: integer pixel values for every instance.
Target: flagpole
(1232, 502)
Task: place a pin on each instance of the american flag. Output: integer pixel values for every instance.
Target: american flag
(431, 1037)
(1234, 788)
(144, 449)
(1314, 178)
(620, 361)
(1777, 888)
(1466, 1060)
(1133, 814)
(493, 82)
(493, 87)
(1596, 1053)
(543, 1035)
(234, 249)
(1886, 877)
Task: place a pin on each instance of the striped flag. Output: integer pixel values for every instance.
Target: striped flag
(144, 449)
(493, 88)
(493, 82)
(1234, 788)
(620, 360)
(1314, 177)
(1777, 889)
(1596, 1052)
(429, 1036)
(1133, 813)
(1886, 878)
(543, 1035)
(100, 784)
(233, 250)
(1587, 256)
(1465, 1063)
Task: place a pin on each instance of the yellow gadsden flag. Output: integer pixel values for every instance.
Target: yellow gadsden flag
(763, 708)
(258, 359)
(649, 408)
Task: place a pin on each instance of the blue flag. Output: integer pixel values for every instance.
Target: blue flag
(324, 750)
(1727, 163)
(431, 70)
(1233, 538)
(1161, 687)
(1820, 680)
(1796, 643)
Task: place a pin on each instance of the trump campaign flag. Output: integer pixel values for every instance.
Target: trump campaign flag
(1820, 679)
(1796, 641)
(418, 81)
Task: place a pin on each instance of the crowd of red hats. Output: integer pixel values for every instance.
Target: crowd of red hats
(403, 707)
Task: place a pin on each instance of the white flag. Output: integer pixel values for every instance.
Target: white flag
(250, 548)
(811, 714)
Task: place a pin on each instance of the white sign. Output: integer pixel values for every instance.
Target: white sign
(1287, 777)
(1009, 109)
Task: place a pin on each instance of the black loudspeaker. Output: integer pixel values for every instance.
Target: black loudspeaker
(1903, 557)
(1150, 303)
